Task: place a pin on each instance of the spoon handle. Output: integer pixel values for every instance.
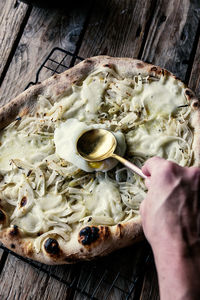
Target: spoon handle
(129, 165)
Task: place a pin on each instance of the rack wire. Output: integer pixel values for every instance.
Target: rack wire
(117, 276)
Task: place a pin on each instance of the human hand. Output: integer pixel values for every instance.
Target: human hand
(171, 222)
(171, 210)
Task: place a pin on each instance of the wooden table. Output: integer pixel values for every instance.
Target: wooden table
(163, 32)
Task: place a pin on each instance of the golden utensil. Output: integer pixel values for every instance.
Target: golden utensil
(98, 144)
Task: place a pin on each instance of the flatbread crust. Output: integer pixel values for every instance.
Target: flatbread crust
(91, 241)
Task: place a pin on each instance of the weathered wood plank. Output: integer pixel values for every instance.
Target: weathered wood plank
(113, 276)
(33, 283)
(45, 30)
(1, 253)
(172, 34)
(18, 281)
(55, 290)
(150, 288)
(12, 15)
(116, 28)
(194, 82)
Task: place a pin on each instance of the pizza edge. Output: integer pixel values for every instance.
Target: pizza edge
(104, 239)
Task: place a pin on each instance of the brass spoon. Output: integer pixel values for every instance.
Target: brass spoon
(99, 144)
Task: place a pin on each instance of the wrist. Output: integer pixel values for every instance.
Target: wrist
(178, 273)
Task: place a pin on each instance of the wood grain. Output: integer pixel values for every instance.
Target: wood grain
(1, 253)
(150, 288)
(194, 82)
(18, 281)
(116, 28)
(34, 283)
(112, 277)
(45, 30)
(172, 34)
(12, 16)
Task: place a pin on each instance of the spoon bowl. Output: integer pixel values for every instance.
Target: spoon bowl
(96, 144)
(100, 144)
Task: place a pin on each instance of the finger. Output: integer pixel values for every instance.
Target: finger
(152, 165)
(142, 208)
(147, 182)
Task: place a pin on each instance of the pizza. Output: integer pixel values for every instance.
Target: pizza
(57, 208)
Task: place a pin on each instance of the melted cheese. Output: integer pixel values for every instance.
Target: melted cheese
(66, 137)
(14, 148)
(160, 99)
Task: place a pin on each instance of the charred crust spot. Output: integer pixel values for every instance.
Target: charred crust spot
(2, 216)
(51, 246)
(12, 246)
(89, 61)
(39, 233)
(14, 231)
(195, 104)
(189, 94)
(55, 76)
(176, 77)
(18, 119)
(23, 201)
(107, 232)
(140, 65)
(107, 66)
(153, 69)
(119, 229)
(89, 235)
(163, 72)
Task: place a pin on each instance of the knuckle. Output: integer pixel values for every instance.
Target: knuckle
(168, 166)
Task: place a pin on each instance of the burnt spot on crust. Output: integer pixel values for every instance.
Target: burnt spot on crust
(106, 231)
(154, 69)
(2, 216)
(120, 230)
(88, 235)
(140, 65)
(195, 104)
(23, 201)
(51, 246)
(108, 66)
(14, 231)
(91, 236)
(12, 246)
(177, 78)
(39, 233)
(89, 61)
(189, 94)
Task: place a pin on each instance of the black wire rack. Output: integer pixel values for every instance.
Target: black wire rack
(118, 276)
